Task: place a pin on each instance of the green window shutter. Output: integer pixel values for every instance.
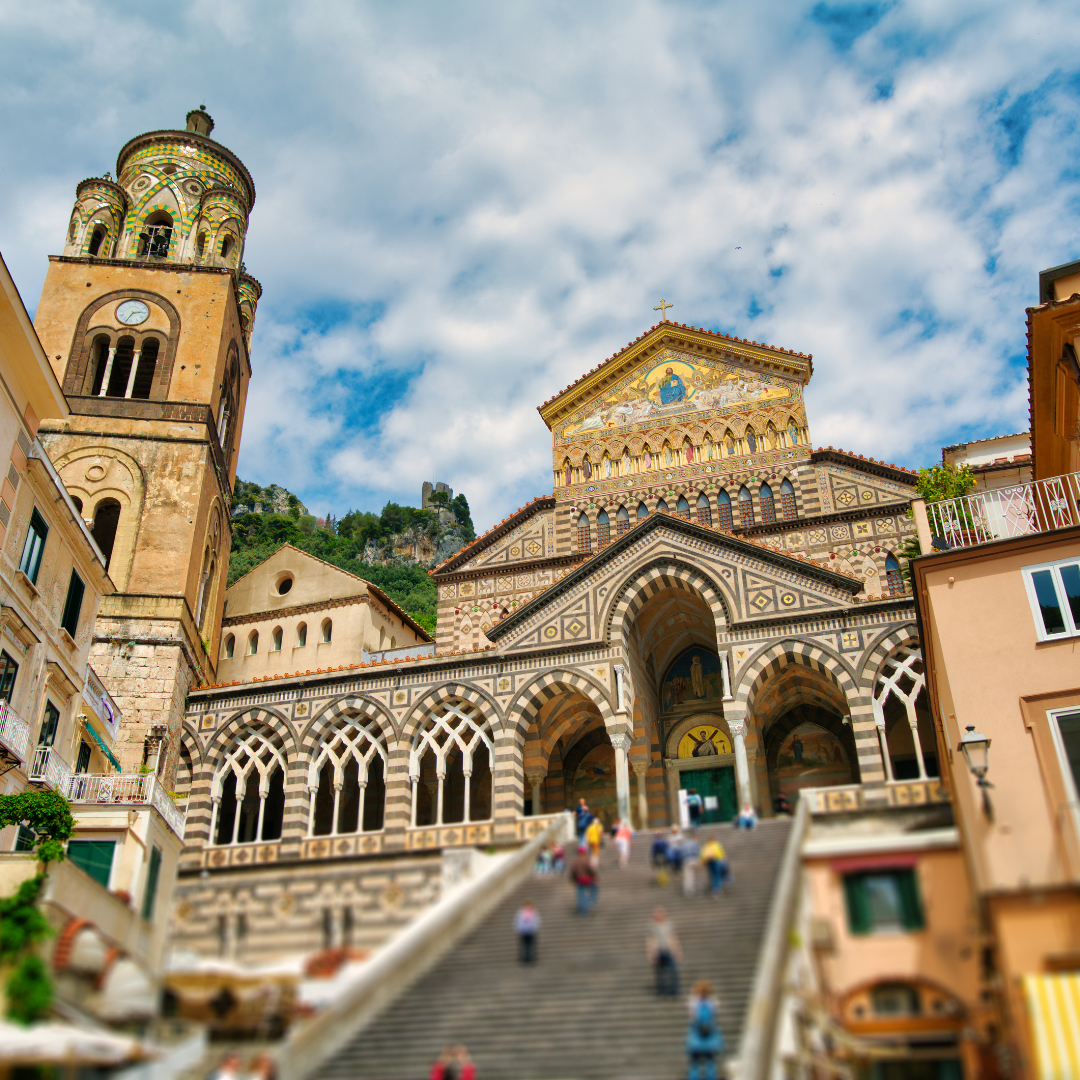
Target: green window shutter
(73, 606)
(150, 895)
(93, 856)
(858, 906)
(910, 900)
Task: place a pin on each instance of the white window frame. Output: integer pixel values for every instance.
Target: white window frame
(1063, 760)
(1071, 629)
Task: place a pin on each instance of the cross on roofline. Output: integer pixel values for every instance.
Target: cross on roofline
(662, 308)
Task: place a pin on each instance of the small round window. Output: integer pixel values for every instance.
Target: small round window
(284, 586)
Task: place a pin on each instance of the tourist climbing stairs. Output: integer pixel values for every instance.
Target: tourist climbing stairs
(588, 1007)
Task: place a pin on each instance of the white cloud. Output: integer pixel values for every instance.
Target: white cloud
(464, 207)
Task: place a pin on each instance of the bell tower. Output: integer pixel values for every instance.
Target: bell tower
(146, 318)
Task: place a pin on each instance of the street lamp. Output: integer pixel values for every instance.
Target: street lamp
(976, 749)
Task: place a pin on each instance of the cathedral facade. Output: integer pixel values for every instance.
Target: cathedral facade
(703, 602)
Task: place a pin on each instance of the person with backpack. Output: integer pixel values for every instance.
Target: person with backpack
(704, 1039)
(584, 876)
(694, 807)
(527, 925)
(715, 860)
(594, 837)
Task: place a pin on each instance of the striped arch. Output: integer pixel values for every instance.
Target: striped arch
(350, 703)
(908, 634)
(646, 581)
(271, 718)
(781, 655)
(536, 694)
(457, 692)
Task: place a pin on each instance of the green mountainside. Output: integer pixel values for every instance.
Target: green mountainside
(393, 550)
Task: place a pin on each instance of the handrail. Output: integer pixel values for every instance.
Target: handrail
(1021, 510)
(48, 767)
(14, 732)
(755, 1052)
(91, 788)
(398, 966)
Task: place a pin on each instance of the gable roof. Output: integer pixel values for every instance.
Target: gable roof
(784, 560)
(485, 540)
(755, 352)
(864, 464)
(349, 582)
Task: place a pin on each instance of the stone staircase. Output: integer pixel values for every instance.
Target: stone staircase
(587, 1008)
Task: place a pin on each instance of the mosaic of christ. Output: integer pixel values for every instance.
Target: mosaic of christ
(673, 386)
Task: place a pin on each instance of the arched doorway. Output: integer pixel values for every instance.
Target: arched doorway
(801, 715)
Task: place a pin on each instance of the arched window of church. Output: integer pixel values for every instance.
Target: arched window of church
(100, 352)
(584, 534)
(723, 510)
(227, 242)
(71, 230)
(894, 580)
(586, 468)
(276, 640)
(642, 511)
(568, 473)
(230, 646)
(682, 508)
(787, 501)
(450, 766)
(200, 245)
(688, 452)
(253, 643)
(247, 793)
(746, 507)
(156, 236)
(106, 519)
(626, 463)
(661, 505)
(603, 529)
(97, 237)
(751, 440)
(327, 630)
(121, 367)
(622, 521)
(143, 381)
(768, 507)
(77, 502)
(301, 635)
(704, 510)
(793, 435)
(347, 778)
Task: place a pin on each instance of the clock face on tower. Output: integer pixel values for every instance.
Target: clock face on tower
(132, 312)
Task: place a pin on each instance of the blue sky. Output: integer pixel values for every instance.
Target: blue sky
(462, 207)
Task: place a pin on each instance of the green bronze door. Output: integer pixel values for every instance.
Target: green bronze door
(717, 788)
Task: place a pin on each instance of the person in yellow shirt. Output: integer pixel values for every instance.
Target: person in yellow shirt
(715, 859)
(594, 837)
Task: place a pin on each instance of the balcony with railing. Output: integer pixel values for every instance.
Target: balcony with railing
(94, 789)
(48, 768)
(980, 518)
(14, 736)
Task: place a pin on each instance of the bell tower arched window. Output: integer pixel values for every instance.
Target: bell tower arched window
(156, 236)
(746, 507)
(723, 510)
(787, 501)
(97, 237)
(106, 519)
(121, 368)
(143, 381)
(768, 507)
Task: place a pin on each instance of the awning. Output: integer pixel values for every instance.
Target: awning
(1054, 1011)
(104, 749)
